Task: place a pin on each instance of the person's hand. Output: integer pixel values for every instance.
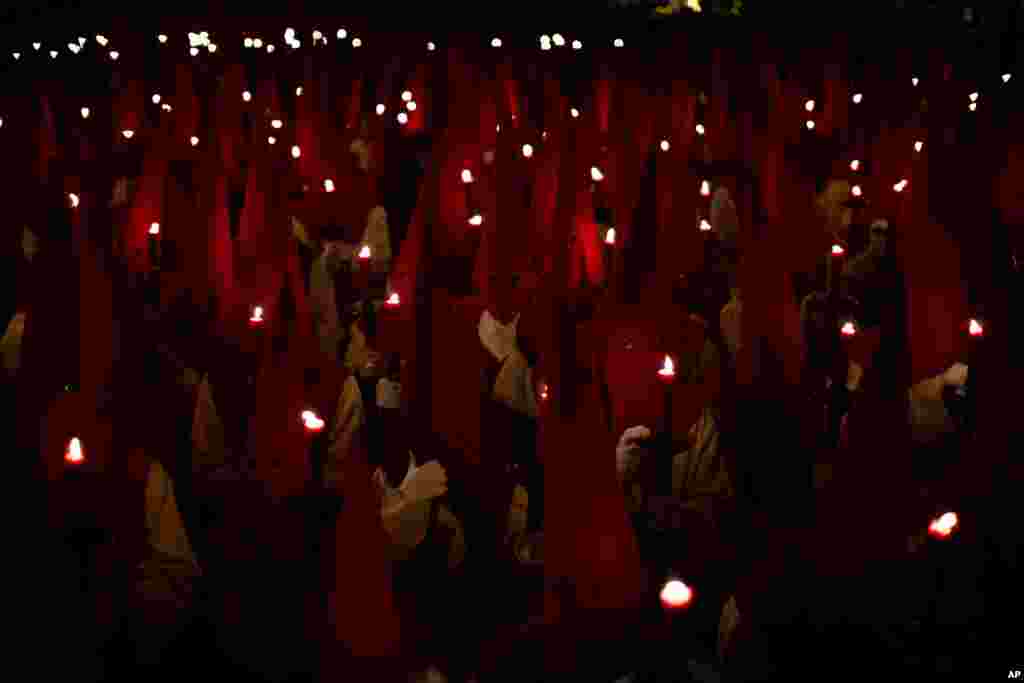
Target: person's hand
(628, 447)
(425, 483)
(956, 376)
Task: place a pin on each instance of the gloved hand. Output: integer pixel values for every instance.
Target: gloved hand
(627, 450)
(425, 483)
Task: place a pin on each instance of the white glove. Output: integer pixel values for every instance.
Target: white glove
(956, 376)
(627, 450)
(424, 483)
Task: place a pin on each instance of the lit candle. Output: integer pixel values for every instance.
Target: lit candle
(667, 373)
(393, 301)
(943, 526)
(364, 253)
(975, 328)
(153, 241)
(676, 595)
(256, 318)
(74, 454)
(848, 329)
(311, 422)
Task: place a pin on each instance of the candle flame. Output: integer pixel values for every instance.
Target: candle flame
(154, 228)
(595, 174)
(364, 253)
(476, 219)
(609, 237)
(943, 526)
(676, 594)
(975, 328)
(668, 368)
(74, 453)
(849, 329)
(257, 314)
(311, 421)
(467, 176)
(837, 250)
(394, 299)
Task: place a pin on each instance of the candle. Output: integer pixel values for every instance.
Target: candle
(393, 301)
(256, 318)
(153, 241)
(311, 422)
(667, 373)
(74, 455)
(942, 527)
(676, 595)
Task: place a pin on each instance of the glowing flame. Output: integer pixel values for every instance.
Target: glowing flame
(496, 42)
(411, 105)
(665, 146)
(700, 129)
(1007, 77)
(974, 97)
(577, 45)
(668, 368)
(618, 42)
(943, 526)
(393, 300)
(403, 118)
(128, 134)
(406, 95)
(257, 314)
(849, 329)
(975, 328)
(430, 46)
(676, 595)
(973, 106)
(467, 176)
(364, 253)
(705, 225)
(328, 185)
(298, 91)
(543, 391)
(85, 112)
(918, 146)
(856, 191)
(296, 152)
(837, 250)
(154, 228)
(810, 125)
(380, 109)
(73, 454)
(915, 81)
(476, 219)
(276, 123)
(595, 174)
(74, 200)
(574, 112)
(271, 140)
(809, 105)
(558, 40)
(609, 237)
(246, 96)
(527, 151)
(311, 421)
(156, 98)
(858, 98)
(900, 186)
(193, 141)
(705, 188)
(855, 165)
